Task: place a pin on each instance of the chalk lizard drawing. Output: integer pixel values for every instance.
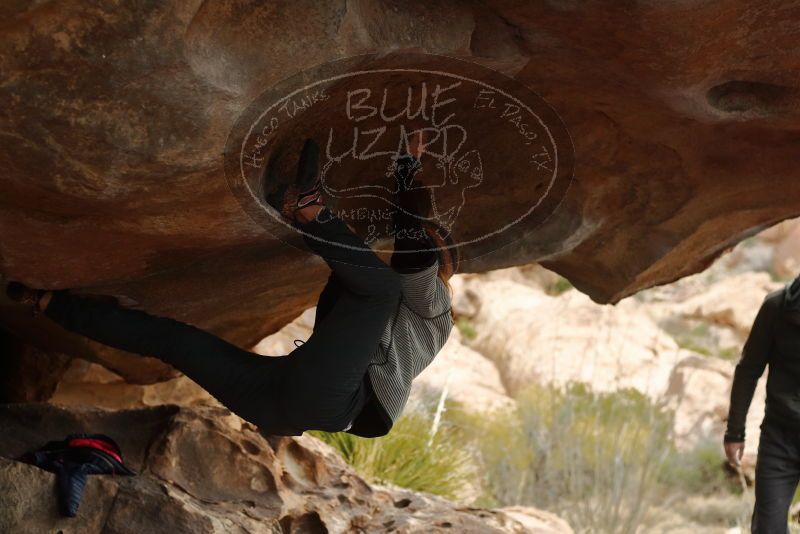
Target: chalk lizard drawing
(457, 174)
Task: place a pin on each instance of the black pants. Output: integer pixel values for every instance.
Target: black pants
(320, 385)
(777, 475)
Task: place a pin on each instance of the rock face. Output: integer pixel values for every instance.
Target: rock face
(115, 118)
(786, 239)
(469, 377)
(732, 302)
(535, 337)
(90, 384)
(699, 393)
(203, 471)
(644, 342)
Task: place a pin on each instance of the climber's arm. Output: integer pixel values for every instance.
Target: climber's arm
(425, 293)
(755, 356)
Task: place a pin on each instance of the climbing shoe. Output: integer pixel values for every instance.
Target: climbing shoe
(308, 181)
(308, 166)
(280, 197)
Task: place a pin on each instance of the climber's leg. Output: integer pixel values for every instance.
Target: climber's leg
(413, 249)
(356, 266)
(324, 386)
(327, 299)
(241, 380)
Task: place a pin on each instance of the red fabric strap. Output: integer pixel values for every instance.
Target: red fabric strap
(95, 444)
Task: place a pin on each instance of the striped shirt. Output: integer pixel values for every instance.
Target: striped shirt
(412, 338)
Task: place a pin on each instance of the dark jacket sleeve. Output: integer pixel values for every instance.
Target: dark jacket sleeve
(755, 356)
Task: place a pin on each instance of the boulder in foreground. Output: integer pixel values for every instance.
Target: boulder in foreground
(203, 470)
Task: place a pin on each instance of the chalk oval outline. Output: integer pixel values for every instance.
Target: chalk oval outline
(556, 159)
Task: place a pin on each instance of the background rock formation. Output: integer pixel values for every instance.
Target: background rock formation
(683, 116)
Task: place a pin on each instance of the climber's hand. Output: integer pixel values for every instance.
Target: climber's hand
(734, 451)
(416, 144)
(404, 168)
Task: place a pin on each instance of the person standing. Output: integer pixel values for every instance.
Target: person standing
(774, 340)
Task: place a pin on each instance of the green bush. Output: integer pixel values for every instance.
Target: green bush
(561, 285)
(591, 458)
(699, 470)
(407, 457)
(466, 328)
(689, 344)
(730, 353)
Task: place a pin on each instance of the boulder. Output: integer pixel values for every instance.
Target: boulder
(535, 337)
(90, 384)
(699, 393)
(116, 118)
(710, 312)
(732, 301)
(786, 257)
(203, 470)
(468, 376)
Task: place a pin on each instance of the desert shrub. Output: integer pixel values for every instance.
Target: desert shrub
(693, 346)
(729, 353)
(408, 457)
(592, 458)
(723, 510)
(698, 470)
(466, 328)
(605, 462)
(561, 285)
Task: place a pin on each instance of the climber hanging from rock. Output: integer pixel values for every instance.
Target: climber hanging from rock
(376, 326)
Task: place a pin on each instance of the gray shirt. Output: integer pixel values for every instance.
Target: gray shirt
(412, 338)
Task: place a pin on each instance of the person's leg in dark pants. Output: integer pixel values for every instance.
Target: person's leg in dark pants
(327, 298)
(325, 383)
(239, 379)
(324, 387)
(318, 386)
(777, 476)
(413, 249)
(346, 254)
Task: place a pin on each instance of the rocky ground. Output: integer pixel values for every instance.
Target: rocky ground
(202, 470)
(116, 125)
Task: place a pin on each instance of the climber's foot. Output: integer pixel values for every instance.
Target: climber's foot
(308, 183)
(309, 180)
(308, 167)
(281, 198)
(308, 213)
(37, 299)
